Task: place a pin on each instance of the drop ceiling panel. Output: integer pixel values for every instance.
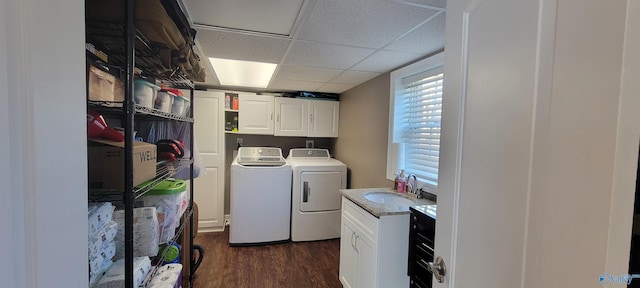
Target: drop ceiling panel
(425, 40)
(335, 88)
(434, 3)
(320, 45)
(292, 85)
(236, 46)
(353, 77)
(384, 61)
(306, 53)
(275, 17)
(361, 23)
(305, 73)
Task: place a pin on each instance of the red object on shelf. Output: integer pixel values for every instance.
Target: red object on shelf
(236, 103)
(97, 128)
(175, 91)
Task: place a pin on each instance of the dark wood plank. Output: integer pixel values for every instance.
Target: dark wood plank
(302, 264)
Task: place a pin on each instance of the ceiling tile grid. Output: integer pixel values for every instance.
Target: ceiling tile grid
(333, 46)
(361, 23)
(307, 53)
(424, 40)
(238, 46)
(353, 77)
(306, 73)
(384, 61)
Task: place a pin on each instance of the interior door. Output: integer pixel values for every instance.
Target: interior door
(320, 191)
(490, 79)
(209, 136)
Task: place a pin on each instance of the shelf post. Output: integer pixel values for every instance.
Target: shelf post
(129, 111)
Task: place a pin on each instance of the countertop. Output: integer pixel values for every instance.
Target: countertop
(377, 209)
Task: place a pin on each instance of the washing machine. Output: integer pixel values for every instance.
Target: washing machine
(260, 203)
(316, 198)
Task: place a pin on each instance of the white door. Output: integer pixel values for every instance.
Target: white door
(521, 185)
(324, 118)
(291, 117)
(348, 257)
(208, 191)
(320, 191)
(256, 114)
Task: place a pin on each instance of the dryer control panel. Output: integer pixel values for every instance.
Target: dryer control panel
(314, 153)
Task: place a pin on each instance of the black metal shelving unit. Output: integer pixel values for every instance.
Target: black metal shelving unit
(130, 54)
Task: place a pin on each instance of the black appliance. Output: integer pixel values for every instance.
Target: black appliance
(421, 245)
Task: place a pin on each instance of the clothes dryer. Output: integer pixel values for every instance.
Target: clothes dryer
(316, 199)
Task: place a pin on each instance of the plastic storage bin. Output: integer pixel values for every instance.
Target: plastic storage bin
(180, 106)
(164, 100)
(170, 200)
(144, 93)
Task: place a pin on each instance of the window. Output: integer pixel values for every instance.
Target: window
(414, 125)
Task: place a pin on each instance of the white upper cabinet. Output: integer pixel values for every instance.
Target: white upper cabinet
(324, 118)
(256, 114)
(306, 118)
(282, 116)
(291, 117)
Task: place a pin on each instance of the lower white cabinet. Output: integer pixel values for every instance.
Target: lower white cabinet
(373, 251)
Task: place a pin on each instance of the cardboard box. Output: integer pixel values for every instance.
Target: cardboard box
(106, 163)
(104, 86)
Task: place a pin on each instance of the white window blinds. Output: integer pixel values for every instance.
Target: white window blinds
(418, 110)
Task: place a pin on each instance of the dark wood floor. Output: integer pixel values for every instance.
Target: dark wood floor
(303, 264)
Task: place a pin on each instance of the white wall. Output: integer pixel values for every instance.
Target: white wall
(7, 271)
(43, 160)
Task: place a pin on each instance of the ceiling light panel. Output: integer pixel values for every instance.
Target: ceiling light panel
(243, 73)
(273, 17)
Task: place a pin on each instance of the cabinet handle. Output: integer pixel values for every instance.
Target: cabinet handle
(353, 245)
(272, 116)
(356, 246)
(311, 118)
(277, 118)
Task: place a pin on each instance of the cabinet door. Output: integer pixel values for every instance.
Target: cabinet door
(256, 114)
(348, 255)
(323, 118)
(367, 262)
(209, 136)
(291, 117)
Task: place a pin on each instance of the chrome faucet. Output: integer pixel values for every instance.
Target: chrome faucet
(412, 186)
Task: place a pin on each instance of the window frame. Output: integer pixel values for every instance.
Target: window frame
(395, 151)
